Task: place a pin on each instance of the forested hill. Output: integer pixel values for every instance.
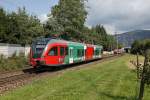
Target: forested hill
(129, 37)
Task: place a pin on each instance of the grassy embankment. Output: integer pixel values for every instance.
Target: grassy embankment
(13, 63)
(110, 80)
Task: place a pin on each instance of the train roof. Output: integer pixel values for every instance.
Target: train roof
(98, 46)
(53, 40)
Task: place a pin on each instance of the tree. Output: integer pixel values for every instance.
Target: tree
(145, 79)
(101, 37)
(22, 27)
(135, 47)
(52, 27)
(67, 20)
(69, 15)
(143, 47)
(3, 24)
(139, 46)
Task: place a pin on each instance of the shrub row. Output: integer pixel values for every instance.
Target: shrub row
(13, 63)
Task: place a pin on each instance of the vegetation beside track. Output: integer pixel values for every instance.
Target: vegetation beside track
(110, 80)
(13, 63)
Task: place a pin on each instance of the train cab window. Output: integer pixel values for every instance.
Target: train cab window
(62, 51)
(39, 50)
(53, 52)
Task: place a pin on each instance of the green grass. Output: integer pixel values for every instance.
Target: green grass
(110, 80)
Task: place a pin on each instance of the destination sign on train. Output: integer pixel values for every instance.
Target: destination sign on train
(40, 46)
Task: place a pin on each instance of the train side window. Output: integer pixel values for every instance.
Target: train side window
(62, 51)
(82, 52)
(71, 52)
(53, 52)
(78, 53)
(97, 52)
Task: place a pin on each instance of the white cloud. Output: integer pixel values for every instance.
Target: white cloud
(119, 15)
(110, 29)
(43, 18)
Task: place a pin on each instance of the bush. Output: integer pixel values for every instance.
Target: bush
(13, 63)
(140, 46)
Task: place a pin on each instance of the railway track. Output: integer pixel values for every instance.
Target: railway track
(9, 82)
(13, 78)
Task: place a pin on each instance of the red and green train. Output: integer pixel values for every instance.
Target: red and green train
(56, 52)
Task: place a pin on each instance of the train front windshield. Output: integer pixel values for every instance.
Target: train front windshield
(38, 47)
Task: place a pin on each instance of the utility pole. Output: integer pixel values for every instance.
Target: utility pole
(117, 41)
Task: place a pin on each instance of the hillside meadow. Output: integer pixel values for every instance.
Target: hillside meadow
(109, 80)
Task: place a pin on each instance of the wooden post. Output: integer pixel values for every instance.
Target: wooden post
(142, 84)
(138, 75)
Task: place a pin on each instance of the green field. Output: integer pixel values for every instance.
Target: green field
(110, 80)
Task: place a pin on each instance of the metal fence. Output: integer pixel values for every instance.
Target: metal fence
(7, 50)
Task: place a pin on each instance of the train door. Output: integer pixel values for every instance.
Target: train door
(94, 53)
(62, 54)
(89, 52)
(84, 57)
(70, 54)
(52, 58)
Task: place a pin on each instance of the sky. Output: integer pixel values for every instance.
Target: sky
(115, 15)
(40, 8)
